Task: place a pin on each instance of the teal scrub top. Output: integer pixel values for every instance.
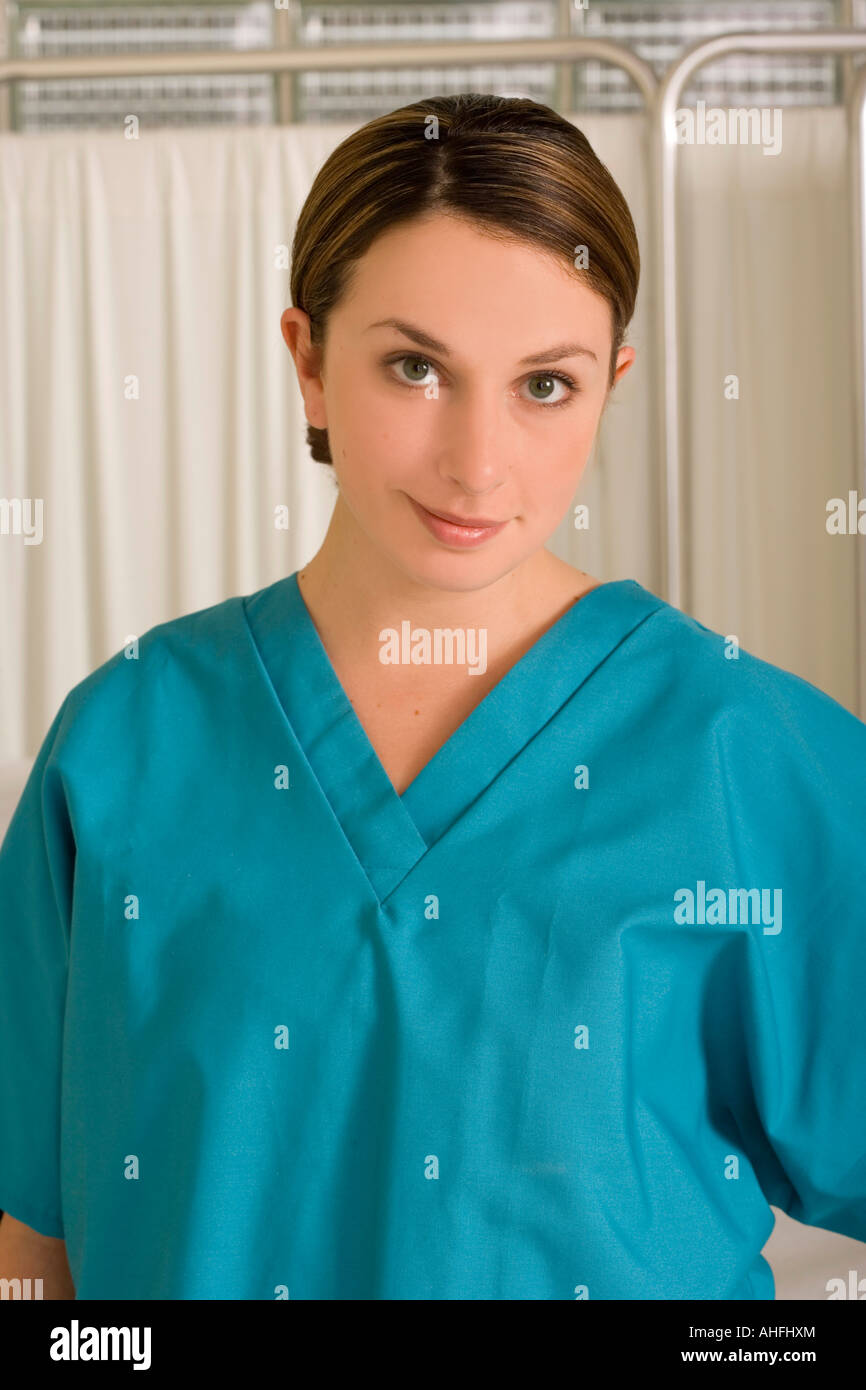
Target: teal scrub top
(557, 1023)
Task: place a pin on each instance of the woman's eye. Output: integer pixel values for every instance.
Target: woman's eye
(413, 371)
(411, 376)
(548, 383)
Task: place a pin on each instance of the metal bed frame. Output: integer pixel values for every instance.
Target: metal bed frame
(661, 99)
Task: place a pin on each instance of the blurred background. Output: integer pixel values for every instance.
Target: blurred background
(151, 428)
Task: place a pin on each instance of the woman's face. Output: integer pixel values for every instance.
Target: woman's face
(462, 409)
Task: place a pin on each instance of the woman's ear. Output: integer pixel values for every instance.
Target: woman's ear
(624, 359)
(308, 359)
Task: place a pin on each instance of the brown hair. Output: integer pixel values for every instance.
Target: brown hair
(509, 164)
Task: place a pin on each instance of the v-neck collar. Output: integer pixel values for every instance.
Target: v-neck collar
(388, 832)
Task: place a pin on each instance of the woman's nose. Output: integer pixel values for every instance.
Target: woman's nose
(475, 453)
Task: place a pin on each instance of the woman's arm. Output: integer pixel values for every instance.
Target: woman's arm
(24, 1253)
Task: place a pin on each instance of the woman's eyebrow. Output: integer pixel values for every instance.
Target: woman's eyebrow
(418, 335)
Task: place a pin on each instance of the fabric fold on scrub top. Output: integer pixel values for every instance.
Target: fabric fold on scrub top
(559, 1022)
(390, 833)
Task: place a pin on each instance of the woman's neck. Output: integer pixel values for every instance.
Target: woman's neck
(353, 591)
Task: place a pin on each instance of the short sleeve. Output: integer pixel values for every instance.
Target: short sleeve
(37, 859)
(802, 1007)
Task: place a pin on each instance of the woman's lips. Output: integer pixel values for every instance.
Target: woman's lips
(456, 533)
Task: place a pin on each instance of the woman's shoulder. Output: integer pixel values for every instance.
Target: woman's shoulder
(761, 709)
(165, 674)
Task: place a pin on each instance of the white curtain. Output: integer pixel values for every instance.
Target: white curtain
(147, 397)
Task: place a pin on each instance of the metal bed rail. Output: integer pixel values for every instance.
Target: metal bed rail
(845, 42)
(661, 103)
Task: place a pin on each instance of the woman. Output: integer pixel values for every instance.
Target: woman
(439, 922)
